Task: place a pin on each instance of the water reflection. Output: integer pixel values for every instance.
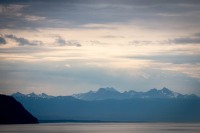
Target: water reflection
(103, 128)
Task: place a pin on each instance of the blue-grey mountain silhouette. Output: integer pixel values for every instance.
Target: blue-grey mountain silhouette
(107, 104)
(111, 93)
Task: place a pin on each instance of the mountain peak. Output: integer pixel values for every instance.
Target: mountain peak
(33, 95)
(153, 90)
(44, 95)
(107, 89)
(166, 89)
(17, 94)
(100, 94)
(162, 93)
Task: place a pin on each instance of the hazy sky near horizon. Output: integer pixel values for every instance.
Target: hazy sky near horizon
(62, 47)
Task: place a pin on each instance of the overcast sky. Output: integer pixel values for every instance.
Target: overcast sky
(62, 47)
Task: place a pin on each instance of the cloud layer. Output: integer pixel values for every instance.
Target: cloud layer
(72, 46)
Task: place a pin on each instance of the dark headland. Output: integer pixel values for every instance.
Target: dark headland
(12, 112)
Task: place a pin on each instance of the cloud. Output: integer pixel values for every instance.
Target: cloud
(34, 18)
(182, 64)
(62, 42)
(192, 70)
(175, 59)
(11, 9)
(2, 41)
(140, 43)
(112, 36)
(84, 13)
(186, 40)
(95, 42)
(23, 42)
(105, 28)
(197, 34)
(14, 15)
(67, 65)
(97, 26)
(194, 39)
(25, 50)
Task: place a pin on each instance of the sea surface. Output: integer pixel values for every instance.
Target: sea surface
(103, 128)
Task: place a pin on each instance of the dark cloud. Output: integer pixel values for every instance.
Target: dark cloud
(62, 42)
(112, 36)
(151, 2)
(25, 50)
(186, 40)
(95, 42)
(140, 43)
(125, 2)
(197, 34)
(2, 41)
(194, 39)
(60, 13)
(24, 42)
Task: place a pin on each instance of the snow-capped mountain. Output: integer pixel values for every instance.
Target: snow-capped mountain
(163, 93)
(111, 93)
(108, 104)
(101, 94)
(32, 95)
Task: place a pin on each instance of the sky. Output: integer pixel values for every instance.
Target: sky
(63, 47)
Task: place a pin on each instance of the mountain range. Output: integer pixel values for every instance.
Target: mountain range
(108, 104)
(111, 93)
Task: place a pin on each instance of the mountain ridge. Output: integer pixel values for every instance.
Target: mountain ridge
(111, 93)
(123, 110)
(108, 104)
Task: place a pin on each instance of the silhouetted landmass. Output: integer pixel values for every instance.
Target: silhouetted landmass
(12, 112)
(143, 109)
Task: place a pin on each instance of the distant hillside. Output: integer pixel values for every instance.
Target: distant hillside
(107, 104)
(12, 112)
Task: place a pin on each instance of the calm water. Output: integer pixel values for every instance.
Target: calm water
(102, 128)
